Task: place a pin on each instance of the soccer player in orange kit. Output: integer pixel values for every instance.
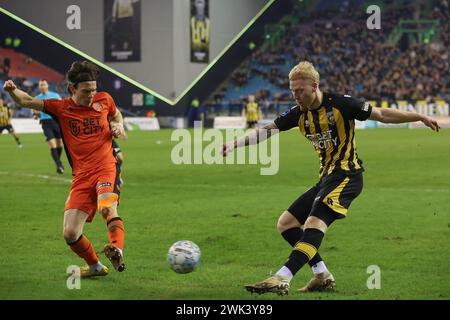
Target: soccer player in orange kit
(88, 121)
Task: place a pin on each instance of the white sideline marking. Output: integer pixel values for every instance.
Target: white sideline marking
(31, 175)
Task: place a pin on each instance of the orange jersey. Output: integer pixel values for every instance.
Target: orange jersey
(85, 131)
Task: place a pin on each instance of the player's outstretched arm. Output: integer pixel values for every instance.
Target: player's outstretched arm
(22, 98)
(252, 137)
(396, 116)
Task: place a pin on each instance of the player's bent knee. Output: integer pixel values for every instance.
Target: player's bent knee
(315, 223)
(105, 212)
(52, 143)
(287, 221)
(71, 235)
(106, 206)
(108, 213)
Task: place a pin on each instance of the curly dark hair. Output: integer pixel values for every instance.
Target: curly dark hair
(81, 71)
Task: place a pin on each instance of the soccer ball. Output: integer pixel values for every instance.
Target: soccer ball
(183, 256)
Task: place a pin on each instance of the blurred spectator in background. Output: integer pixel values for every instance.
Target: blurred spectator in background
(193, 112)
(6, 66)
(264, 106)
(5, 122)
(251, 112)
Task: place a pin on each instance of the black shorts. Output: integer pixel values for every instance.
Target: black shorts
(116, 148)
(51, 129)
(329, 199)
(7, 127)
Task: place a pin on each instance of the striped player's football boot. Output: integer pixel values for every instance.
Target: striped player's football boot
(320, 282)
(275, 284)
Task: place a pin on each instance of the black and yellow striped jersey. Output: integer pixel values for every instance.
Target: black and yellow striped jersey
(4, 116)
(331, 130)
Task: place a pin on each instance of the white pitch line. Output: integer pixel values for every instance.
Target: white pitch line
(31, 175)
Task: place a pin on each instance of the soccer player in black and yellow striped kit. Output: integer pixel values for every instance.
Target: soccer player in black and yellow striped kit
(5, 122)
(251, 112)
(327, 120)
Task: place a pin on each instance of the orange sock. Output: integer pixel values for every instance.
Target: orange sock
(84, 249)
(116, 232)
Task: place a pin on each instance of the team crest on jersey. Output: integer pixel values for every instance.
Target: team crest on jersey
(330, 117)
(97, 106)
(75, 127)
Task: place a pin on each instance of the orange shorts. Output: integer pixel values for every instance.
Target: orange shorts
(87, 187)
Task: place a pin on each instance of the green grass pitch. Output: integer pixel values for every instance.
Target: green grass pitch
(400, 222)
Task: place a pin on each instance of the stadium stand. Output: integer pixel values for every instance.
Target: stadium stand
(26, 72)
(351, 58)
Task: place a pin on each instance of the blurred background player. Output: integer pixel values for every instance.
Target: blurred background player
(251, 112)
(118, 154)
(88, 121)
(50, 127)
(5, 122)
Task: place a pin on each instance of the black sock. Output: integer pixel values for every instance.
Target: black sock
(59, 149)
(17, 140)
(55, 157)
(294, 235)
(304, 250)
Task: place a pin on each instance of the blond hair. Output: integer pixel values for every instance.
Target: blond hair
(304, 70)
